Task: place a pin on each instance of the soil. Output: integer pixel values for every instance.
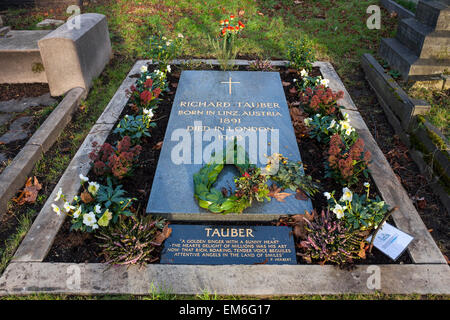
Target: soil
(82, 247)
(21, 90)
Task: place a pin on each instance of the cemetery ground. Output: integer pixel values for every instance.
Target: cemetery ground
(270, 24)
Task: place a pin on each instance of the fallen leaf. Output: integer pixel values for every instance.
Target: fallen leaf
(293, 91)
(264, 262)
(174, 84)
(362, 251)
(275, 193)
(446, 258)
(261, 14)
(158, 146)
(30, 192)
(161, 236)
(86, 197)
(285, 84)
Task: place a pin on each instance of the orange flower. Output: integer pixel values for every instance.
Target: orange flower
(227, 21)
(222, 22)
(241, 25)
(237, 27)
(232, 16)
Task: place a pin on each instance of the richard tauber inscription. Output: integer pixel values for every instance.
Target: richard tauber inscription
(211, 110)
(201, 244)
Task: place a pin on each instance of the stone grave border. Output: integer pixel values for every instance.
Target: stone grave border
(393, 6)
(15, 174)
(28, 274)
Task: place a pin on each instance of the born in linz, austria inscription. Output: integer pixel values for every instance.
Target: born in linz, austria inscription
(202, 244)
(210, 109)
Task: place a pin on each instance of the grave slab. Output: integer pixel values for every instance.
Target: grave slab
(248, 102)
(214, 245)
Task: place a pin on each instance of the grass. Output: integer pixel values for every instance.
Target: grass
(411, 6)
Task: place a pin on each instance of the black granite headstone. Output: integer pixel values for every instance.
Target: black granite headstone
(240, 100)
(202, 244)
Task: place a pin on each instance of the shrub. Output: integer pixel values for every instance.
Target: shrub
(320, 100)
(329, 240)
(301, 54)
(144, 94)
(133, 240)
(309, 82)
(345, 163)
(114, 161)
(322, 128)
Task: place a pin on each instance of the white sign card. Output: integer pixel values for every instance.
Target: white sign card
(391, 241)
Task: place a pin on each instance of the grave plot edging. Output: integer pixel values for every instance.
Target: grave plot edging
(393, 6)
(247, 280)
(15, 174)
(27, 273)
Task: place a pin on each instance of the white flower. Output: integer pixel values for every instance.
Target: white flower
(168, 68)
(366, 184)
(95, 226)
(307, 121)
(98, 208)
(148, 77)
(93, 188)
(180, 36)
(345, 125)
(325, 82)
(327, 195)
(77, 212)
(75, 198)
(304, 73)
(168, 43)
(83, 178)
(68, 207)
(89, 219)
(339, 211)
(56, 209)
(348, 131)
(58, 195)
(332, 124)
(346, 116)
(148, 112)
(144, 69)
(347, 195)
(317, 115)
(164, 38)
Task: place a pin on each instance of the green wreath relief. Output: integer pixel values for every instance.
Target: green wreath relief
(251, 186)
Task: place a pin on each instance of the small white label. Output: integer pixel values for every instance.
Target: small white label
(391, 241)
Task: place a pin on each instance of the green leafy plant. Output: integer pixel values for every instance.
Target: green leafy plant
(320, 100)
(136, 127)
(145, 93)
(358, 211)
(97, 206)
(322, 128)
(290, 175)
(301, 54)
(329, 240)
(133, 240)
(306, 81)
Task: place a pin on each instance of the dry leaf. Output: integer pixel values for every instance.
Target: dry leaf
(174, 84)
(158, 146)
(293, 91)
(86, 197)
(275, 193)
(264, 262)
(285, 84)
(362, 250)
(161, 236)
(30, 192)
(261, 14)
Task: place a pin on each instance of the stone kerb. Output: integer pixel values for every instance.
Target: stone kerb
(73, 56)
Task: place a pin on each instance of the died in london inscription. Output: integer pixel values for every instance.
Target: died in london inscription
(246, 103)
(202, 244)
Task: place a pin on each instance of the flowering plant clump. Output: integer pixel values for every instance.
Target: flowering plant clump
(320, 99)
(136, 127)
(306, 81)
(114, 161)
(133, 241)
(300, 54)
(323, 127)
(224, 43)
(162, 50)
(261, 65)
(144, 94)
(345, 163)
(97, 206)
(290, 175)
(251, 186)
(329, 240)
(358, 211)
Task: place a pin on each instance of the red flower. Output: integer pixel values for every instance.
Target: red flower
(232, 16)
(226, 21)
(156, 92)
(241, 24)
(246, 175)
(146, 96)
(148, 83)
